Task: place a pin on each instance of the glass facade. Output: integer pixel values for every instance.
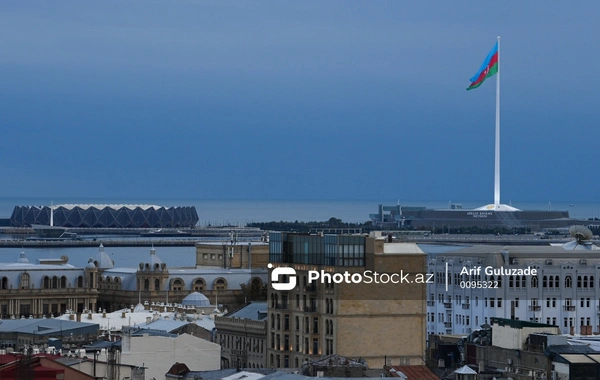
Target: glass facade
(327, 250)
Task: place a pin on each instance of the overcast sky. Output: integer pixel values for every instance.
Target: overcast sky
(297, 100)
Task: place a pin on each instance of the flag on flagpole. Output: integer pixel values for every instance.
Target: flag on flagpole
(488, 68)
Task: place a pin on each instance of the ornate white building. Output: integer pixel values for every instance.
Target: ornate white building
(564, 291)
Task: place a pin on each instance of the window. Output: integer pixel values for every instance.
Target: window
(499, 302)
(492, 302)
(146, 284)
(220, 284)
(177, 285)
(199, 285)
(568, 282)
(534, 282)
(25, 282)
(156, 284)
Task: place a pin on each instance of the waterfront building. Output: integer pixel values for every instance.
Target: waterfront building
(353, 319)
(105, 216)
(46, 288)
(242, 335)
(455, 217)
(564, 291)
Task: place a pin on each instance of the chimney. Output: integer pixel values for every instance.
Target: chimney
(90, 315)
(71, 317)
(123, 314)
(104, 313)
(148, 319)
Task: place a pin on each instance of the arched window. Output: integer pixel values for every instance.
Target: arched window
(556, 281)
(80, 281)
(579, 281)
(591, 281)
(499, 281)
(4, 284)
(523, 282)
(220, 284)
(54, 282)
(510, 282)
(199, 285)
(63, 282)
(25, 280)
(551, 282)
(585, 281)
(534, 282)
(146, 284)
(177, 284)
(568, 282)
(545, 282)
(46, 282)
(518, 281)
(156, 284)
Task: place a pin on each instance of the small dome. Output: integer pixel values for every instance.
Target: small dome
(22, 258)
(103, 260)
(139, 308)
(196, 299)
(90, 264)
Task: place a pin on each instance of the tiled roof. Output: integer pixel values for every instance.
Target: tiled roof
(415, 372)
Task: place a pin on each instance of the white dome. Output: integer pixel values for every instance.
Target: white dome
(196, 299)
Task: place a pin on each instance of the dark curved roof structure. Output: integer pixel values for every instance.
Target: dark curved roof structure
(106, 216)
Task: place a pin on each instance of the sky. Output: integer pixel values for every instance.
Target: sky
(346, 100)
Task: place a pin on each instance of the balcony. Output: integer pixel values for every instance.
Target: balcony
(535, 308)
(430, 303)
(569, 308)
(447, 324)
(281, 306)
(448, 305)
(466, 306)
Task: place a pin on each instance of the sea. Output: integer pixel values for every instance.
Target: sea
(242, 212)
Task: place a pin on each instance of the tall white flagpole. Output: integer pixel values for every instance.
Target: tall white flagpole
(497, 160)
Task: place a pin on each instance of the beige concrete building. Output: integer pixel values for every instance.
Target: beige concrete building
(343, 315)
(240, 255)
(243, 336)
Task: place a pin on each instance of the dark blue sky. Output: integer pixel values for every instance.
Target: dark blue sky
(296, 100)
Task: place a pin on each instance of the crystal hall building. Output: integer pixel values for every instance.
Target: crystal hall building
(105, 216)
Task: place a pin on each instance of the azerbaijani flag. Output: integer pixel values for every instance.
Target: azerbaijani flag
(488, 68)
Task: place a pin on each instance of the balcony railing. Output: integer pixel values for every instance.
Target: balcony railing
(535, 307)
(569, 308)
(430, 303)
(447, 324)
(448, 305)
(310, 309)
(282, 306)
(466, 306)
